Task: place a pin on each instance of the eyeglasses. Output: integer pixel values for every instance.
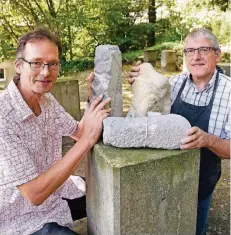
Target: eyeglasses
(201, 50)
(39, 66)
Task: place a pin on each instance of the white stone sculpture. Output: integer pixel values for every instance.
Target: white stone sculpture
(108, 77)
(151, 93)
(158, 131)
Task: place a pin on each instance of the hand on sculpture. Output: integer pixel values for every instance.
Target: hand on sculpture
(134, 72)
(93, 119)
(196, 138)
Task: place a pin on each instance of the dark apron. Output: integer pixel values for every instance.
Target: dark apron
(210, 163)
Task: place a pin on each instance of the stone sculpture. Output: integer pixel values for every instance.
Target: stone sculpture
(108, 77)
(151, 93)
(158, 131)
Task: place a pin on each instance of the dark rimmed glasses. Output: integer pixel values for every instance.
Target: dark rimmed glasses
(39, 66)
(203, 51)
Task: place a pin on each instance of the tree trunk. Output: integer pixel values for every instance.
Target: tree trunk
(152, 19)
(69, 33)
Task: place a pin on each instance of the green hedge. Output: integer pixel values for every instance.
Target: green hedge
(70, 67)
(132, 56)
(166, 46)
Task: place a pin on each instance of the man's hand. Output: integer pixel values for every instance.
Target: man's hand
(196, 139)
(92, 120)
(134, 72)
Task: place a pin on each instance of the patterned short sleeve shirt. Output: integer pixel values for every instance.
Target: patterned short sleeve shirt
(219, 122)
(29, 145)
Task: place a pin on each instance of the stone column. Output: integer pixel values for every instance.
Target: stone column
(150, 57)
(168, 60)
(142, 191)
(108, 77)
(66, 91)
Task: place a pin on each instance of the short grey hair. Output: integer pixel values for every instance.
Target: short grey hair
(202, 32)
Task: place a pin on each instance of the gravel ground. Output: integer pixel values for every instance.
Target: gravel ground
(219, 217)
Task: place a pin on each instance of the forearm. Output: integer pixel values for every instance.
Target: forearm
(39, 189)
(78, 132)
(219, 146)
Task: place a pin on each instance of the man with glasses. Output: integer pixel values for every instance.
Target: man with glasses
(202, 96)
(38, 193)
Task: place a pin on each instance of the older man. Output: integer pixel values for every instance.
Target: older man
(35, 178)
(202, 96)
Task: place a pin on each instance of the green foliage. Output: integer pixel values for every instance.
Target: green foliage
(132, 56)
(70, 67)
(84, 24)
(166, 46)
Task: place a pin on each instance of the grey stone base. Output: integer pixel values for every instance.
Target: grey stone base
(142, 191)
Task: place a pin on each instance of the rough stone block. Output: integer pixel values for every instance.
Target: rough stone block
(67, 94)
(159, 131)
(108, 77)
(168, 60)
(142, 192)
(151, 93)
(150, 57)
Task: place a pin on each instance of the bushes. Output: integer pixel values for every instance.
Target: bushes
(177, 46)
(70, 67)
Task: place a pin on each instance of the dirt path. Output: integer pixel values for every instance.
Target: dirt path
(219, 217)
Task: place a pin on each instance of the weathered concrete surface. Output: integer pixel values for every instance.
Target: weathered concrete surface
(150, 56)
(151, 93)
(160, 131)
(67, 94)
(168, 60)
(108, 77)
(142, 192)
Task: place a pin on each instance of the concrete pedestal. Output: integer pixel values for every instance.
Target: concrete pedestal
(168, 60)
(150, 57)
(142, 191)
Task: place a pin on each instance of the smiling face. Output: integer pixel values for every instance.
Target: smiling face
(201, 67)
(41, 81)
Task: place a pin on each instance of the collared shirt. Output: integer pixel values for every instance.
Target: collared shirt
(29, 145)
(219, 122)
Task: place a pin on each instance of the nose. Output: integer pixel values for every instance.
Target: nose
(45, 71)
(197, 54)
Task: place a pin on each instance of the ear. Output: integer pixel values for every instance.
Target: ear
(17, 66)
(218, 55)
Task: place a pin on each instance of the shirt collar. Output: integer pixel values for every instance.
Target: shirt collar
(22, 108)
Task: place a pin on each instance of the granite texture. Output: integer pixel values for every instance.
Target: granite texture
(108, 77)
(158, 131)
